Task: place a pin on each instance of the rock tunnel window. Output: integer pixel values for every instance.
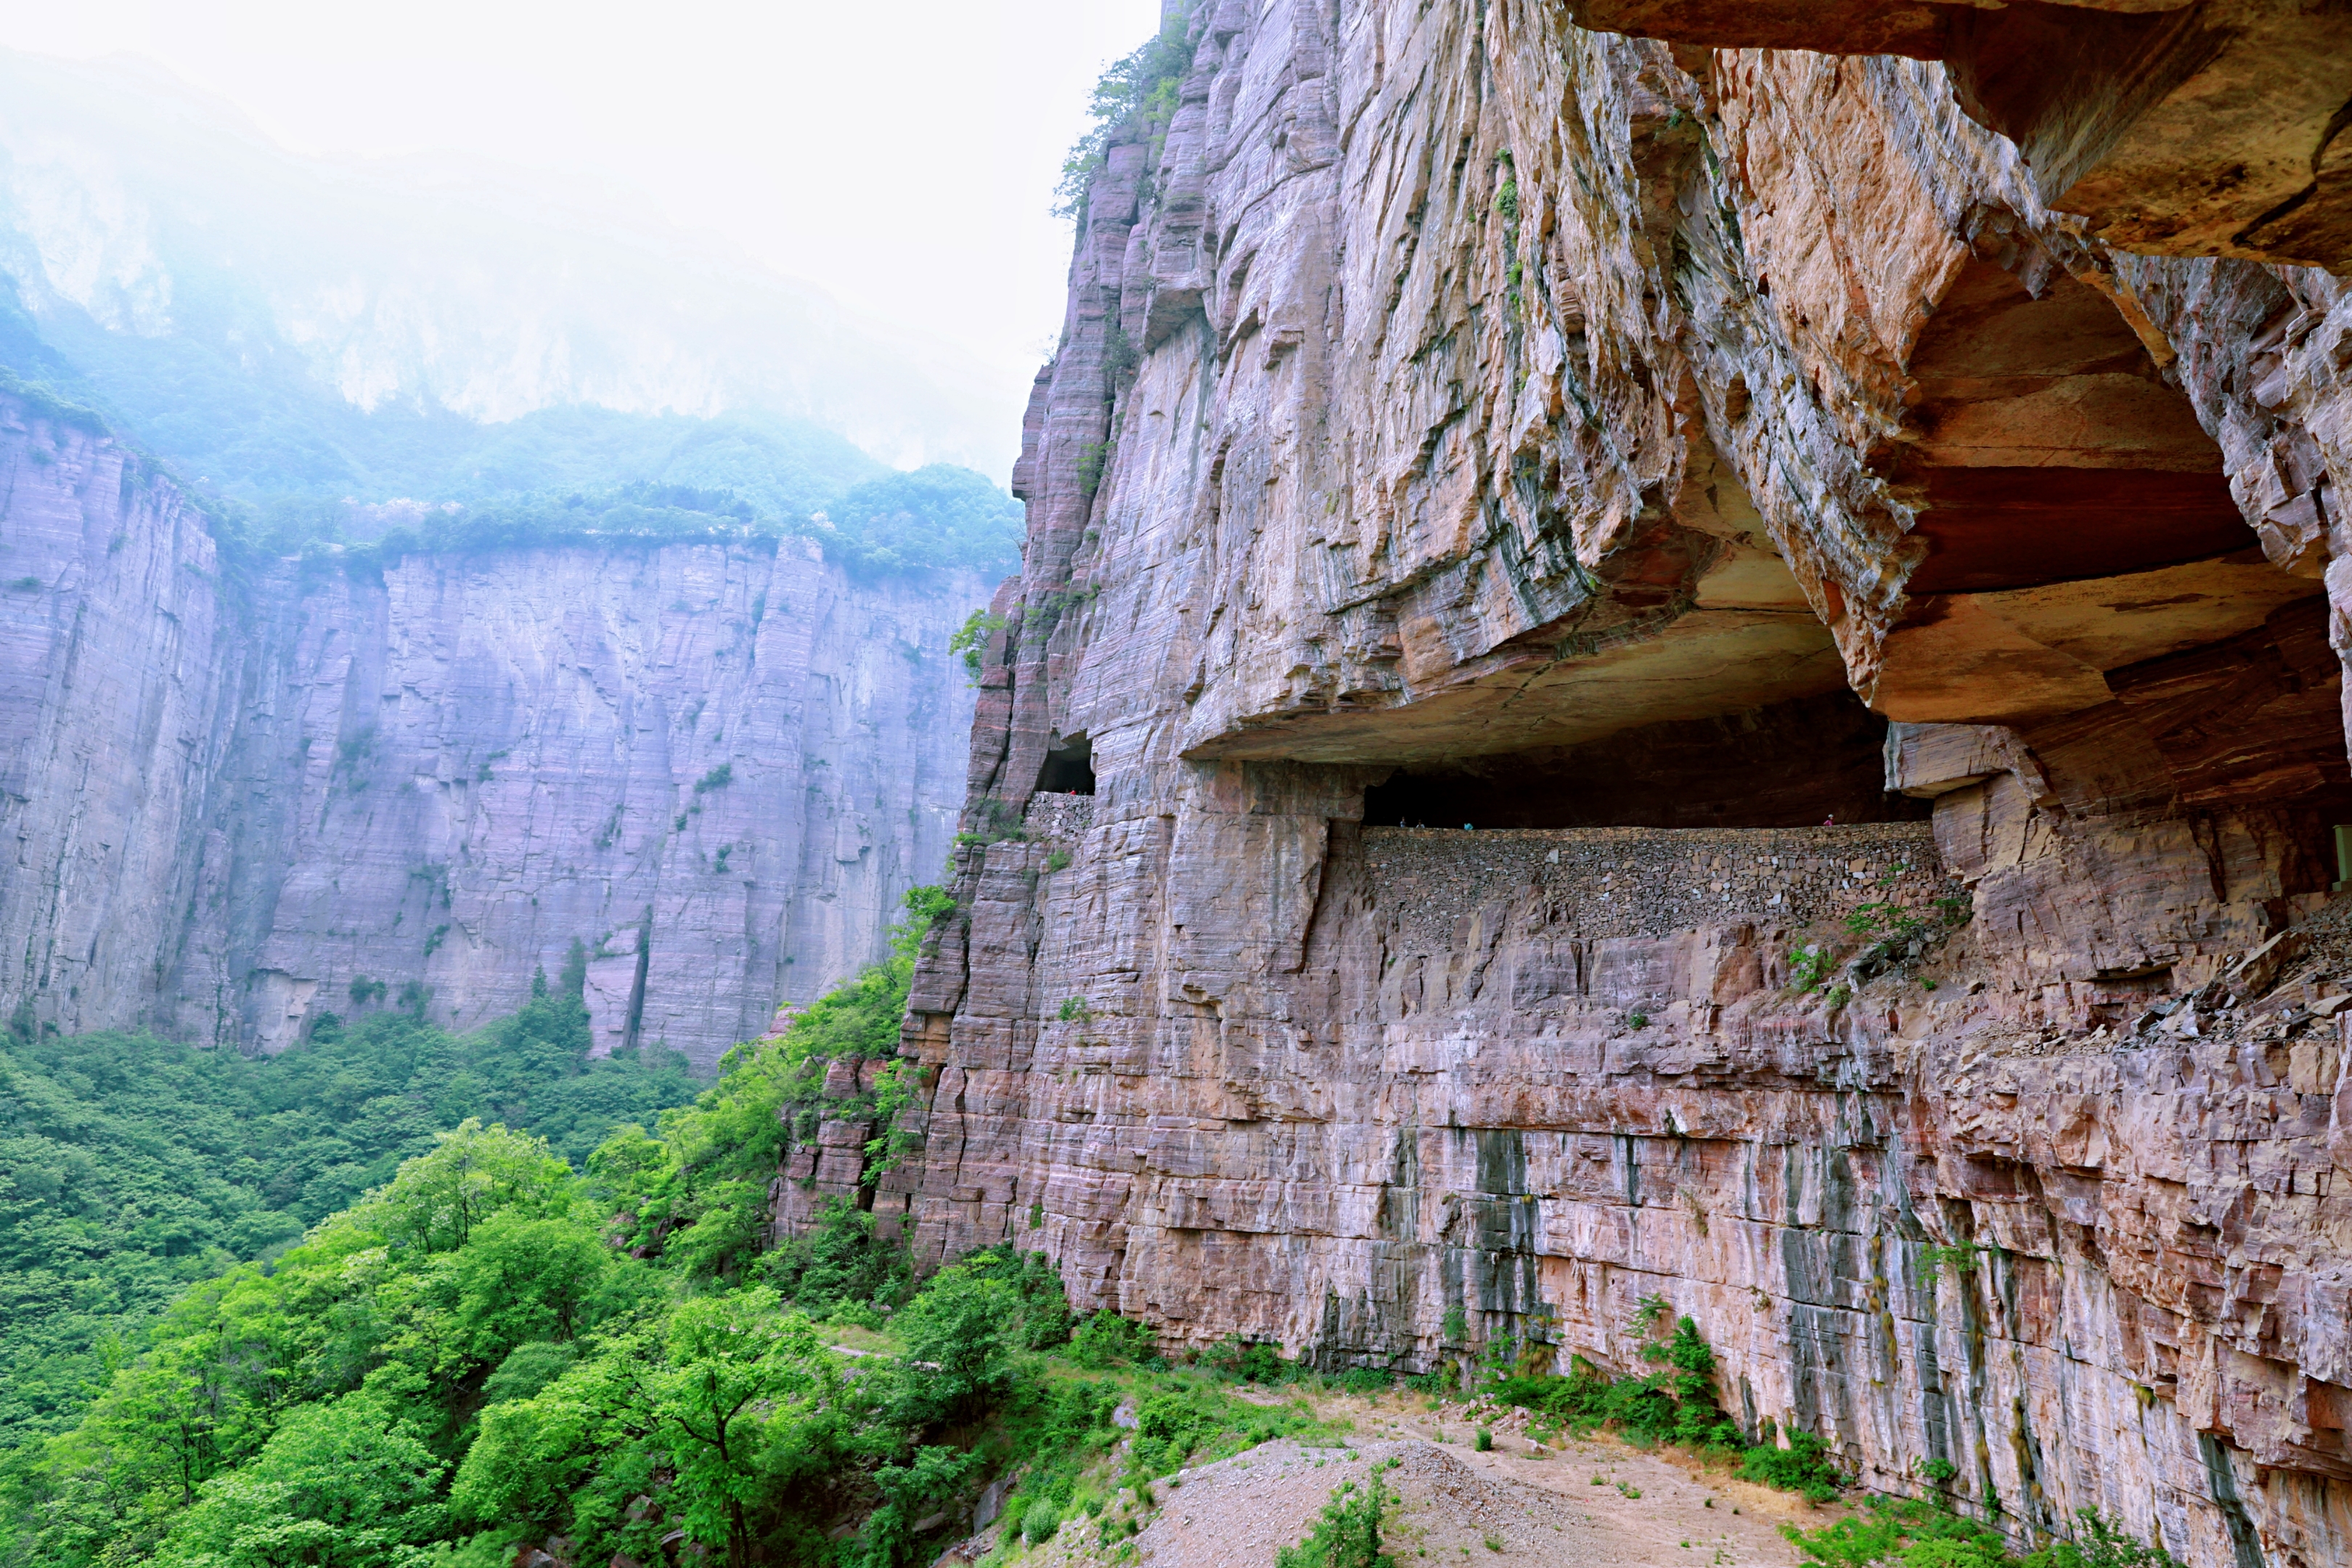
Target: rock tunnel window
(1069, 768)
(1793, 764)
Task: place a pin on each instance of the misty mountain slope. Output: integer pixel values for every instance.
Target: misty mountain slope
(195, 271)
(248, 790)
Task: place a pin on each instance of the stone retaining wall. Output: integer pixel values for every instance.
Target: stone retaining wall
(1645, 882)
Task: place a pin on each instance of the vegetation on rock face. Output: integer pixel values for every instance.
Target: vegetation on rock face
(971, 640)
(1134, 101)
(131, 1167)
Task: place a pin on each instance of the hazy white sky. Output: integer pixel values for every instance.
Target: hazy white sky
(900, 155)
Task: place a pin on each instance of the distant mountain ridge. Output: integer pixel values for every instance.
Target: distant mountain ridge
(300, 324)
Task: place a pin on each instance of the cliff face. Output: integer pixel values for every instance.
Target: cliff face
(1465, 418)
(715, 767)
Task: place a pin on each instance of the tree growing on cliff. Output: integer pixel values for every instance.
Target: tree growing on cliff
(700, 1192)
(1133, 101)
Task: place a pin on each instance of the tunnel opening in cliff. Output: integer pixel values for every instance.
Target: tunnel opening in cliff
(1069, 767)
(1790, 764)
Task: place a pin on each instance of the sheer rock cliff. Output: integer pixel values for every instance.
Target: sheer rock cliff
(1636, 451)
(236, 804)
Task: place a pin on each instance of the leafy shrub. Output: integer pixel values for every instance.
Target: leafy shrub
(1348, 1535)
(1108, 1339)
(1802, 1466)
(1675, 1405)
(837, 1264)
(1040, 1523)
(1239, 1358)
(1135, 99)
(1916, 1534)
(969, 641)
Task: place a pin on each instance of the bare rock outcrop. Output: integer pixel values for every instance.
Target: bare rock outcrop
(1465, 417)
(237, 805)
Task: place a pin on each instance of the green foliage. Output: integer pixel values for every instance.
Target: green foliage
(697, 1194)
(1483, 1441)
(838, 1262)
(1187, 1422)
(1916, 1534)
(1809, 966)
(1884, 921)
(1674, 1404)
(938, 517)
(1348, 1535)
(1960, 1256)
(1245, 1360)
(463, 1359)
(133, 1167)
(1802, 1466)
(341, 1484)
(970, 639)
(1039, 1521)
(1108, 1339)
(1133, 101)
(718, 777)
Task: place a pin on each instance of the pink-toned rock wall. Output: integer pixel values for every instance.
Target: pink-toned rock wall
(227, 802)
(451, 776)
(1443, 383)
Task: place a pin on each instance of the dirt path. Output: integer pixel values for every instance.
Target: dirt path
(1597, 1504)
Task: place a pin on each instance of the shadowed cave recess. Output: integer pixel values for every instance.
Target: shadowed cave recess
(1812, 761)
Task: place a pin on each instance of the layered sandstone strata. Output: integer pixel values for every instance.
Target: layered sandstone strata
(1454, 403)
(715, 767)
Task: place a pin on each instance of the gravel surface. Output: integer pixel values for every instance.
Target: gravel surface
(1597, 1502)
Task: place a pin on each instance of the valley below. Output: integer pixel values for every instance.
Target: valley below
(1649, 866)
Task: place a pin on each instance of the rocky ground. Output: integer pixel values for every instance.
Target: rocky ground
(1597, 1502)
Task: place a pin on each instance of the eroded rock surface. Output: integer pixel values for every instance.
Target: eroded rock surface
(715, 767)
(1452, 399)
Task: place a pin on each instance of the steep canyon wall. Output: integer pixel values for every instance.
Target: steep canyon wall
(1466, 417)
(715, 767)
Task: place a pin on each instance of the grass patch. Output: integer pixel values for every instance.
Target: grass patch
(1916, 1534)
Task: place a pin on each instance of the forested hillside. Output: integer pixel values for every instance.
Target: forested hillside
(132, 1166)
(496, 1347)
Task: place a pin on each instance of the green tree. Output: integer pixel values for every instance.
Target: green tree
(522, 1278)
(473, 1171)
(737, 1382)
(960, 1332)
(339, 1486)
